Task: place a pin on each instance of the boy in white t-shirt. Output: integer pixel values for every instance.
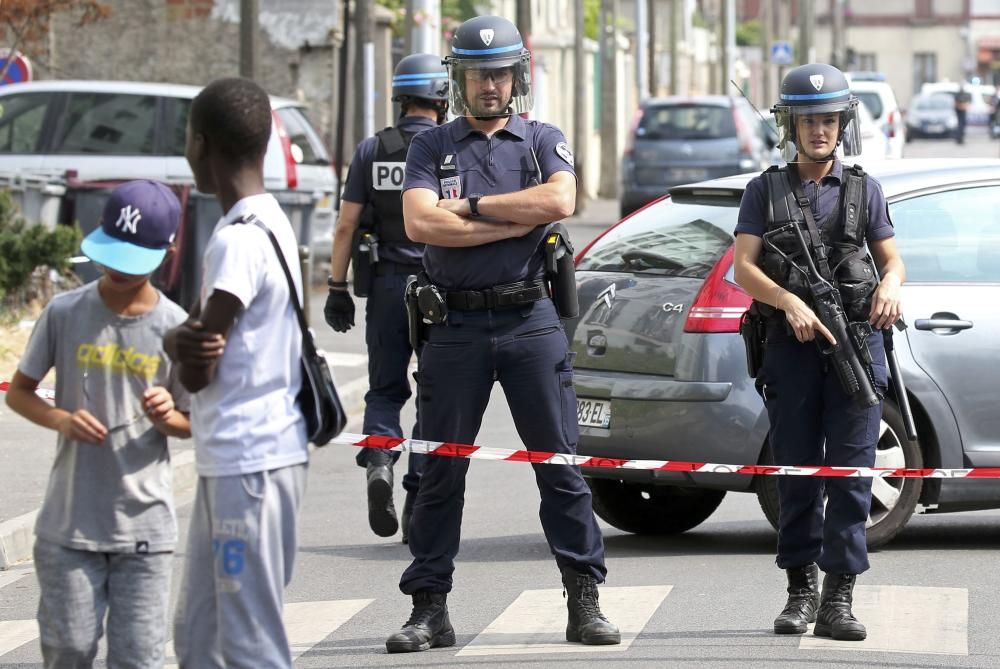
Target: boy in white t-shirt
(240, 353)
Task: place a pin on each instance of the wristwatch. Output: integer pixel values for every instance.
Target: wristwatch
(474, 204)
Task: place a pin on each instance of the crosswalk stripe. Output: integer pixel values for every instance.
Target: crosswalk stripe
(306, 623)
(906, 619)
(16, 633)
(11, 577)
(536, 622)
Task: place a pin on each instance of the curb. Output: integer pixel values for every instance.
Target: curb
(17, 535)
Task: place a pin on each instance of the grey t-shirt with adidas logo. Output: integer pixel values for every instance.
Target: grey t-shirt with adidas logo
(115, 496)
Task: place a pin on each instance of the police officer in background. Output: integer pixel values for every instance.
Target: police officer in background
(480, 192)
(813, 421)
(370, 234)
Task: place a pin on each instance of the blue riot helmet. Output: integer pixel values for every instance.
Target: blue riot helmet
(815, 89)
(421, 76)
(489, 68)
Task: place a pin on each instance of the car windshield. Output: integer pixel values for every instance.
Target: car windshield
(934, 102)
(871, 100)
(667, 239)
(686, 122)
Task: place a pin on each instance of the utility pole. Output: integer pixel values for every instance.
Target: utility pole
(784, 30)
(425, 36)
(345, 51)
(726, 17)
(364, 26)
(249, 21)
(654, 70)
(409, 27)
(609, 100)
(766, 25)
(676, 12)
(838, 56)
(641, 47)
(580, 130)
(805, 8)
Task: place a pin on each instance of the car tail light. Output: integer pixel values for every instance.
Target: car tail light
(630, 138)
(720, 303)
(892, 124)
(291, 169)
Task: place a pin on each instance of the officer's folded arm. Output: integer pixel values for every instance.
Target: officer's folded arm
(553, 200)
(427, 223)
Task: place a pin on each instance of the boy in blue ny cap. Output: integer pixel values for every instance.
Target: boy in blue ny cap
(106, 531)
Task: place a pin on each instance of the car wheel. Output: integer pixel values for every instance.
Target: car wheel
(652, 509)
(893, 500)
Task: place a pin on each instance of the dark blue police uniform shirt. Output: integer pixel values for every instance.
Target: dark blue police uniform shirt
(487, 166)
(823, 198)
(359, 183)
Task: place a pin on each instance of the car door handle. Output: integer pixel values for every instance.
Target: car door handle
(938, 323)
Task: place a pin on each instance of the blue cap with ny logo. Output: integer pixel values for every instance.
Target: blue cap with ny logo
(138, 225)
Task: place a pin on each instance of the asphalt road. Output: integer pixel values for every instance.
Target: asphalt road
(704, 598)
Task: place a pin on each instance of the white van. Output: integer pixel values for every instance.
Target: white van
(878, 97)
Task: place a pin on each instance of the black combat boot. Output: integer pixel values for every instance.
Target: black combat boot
(428, 626)
(587, 624)
(404, 520)
(835, 618)
(803, 600)
(381, 512)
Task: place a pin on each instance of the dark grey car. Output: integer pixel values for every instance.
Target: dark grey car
(678, 140)
(661, 370)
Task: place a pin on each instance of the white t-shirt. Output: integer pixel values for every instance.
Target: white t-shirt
(247, 420)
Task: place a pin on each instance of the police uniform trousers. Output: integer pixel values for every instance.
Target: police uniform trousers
(525, 349)
(814, 422)
(389, 355)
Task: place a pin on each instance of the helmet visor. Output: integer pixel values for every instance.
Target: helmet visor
(799, 130)
(490, 87)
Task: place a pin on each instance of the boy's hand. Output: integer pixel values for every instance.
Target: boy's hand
(196, 347)
(82, 426)
(158, 403)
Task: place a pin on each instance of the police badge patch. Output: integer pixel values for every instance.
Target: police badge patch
(562, 150)
(451, 187)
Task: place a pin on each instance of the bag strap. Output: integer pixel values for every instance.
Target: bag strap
(816, 240)
(293, 293)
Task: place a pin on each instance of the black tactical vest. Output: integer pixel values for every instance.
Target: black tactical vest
(385, 202)
(851, 267)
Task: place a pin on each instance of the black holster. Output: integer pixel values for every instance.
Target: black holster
(364, 256)
(560, 271)
(753, 329)
(415, 323)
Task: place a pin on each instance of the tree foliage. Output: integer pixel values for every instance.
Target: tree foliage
(26, 22)
(25, 247)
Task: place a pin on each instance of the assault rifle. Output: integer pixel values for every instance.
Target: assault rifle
(850, 355)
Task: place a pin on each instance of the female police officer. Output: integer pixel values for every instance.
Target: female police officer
(841, 209)
(479, 192)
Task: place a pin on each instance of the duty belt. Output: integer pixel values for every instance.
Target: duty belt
(497, 297)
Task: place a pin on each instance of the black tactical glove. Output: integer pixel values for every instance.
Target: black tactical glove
(339, 310)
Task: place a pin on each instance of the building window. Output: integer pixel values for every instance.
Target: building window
(867, 62)
(924, 69)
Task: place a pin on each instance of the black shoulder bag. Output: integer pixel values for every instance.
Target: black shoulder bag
(318, 399)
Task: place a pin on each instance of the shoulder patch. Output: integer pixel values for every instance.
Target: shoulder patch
(562, 150)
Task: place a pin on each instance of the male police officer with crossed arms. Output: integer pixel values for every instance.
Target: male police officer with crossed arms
(842, 209)
(480, 192)
(371, 231)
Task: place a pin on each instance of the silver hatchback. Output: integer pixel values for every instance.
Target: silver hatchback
(661, 370)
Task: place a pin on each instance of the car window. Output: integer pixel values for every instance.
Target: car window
(871, 100)
(310, 149)
(178, 140)
(107, 124)
(21, 118)
(934, 102)
(950, 237)
(666, 238)
(687, 122)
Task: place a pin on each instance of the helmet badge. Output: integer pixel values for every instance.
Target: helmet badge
(486, 35)
(817, 81)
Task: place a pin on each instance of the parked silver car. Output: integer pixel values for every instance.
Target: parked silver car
(931, 115)
(661, 370)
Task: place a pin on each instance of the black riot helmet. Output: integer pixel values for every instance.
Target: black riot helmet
(816, 88)
(420, 75)
(489, 48)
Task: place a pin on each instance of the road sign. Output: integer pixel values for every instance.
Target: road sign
(19, 70)
(781, 53)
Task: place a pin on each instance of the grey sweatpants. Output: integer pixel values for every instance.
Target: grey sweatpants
(79, 587)
(240, 551)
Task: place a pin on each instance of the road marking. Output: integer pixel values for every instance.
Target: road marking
(536, 622)
(345, 359)
(906, 619)
(306, 623)
(16, 633)
(10, 577)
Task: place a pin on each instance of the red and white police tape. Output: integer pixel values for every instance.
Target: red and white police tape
(446, 449)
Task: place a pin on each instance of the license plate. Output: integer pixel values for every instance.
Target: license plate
(689, 174)
(593, 413)
(934, 128)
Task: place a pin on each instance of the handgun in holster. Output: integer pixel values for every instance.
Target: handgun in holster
(364, 256)
(415, 323)
(560, 272)
(753, 329)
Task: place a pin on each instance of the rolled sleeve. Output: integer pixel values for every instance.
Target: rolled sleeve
(551, 151)
(235, 263)
(752, 218)
(359, 175)
(421, 163)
